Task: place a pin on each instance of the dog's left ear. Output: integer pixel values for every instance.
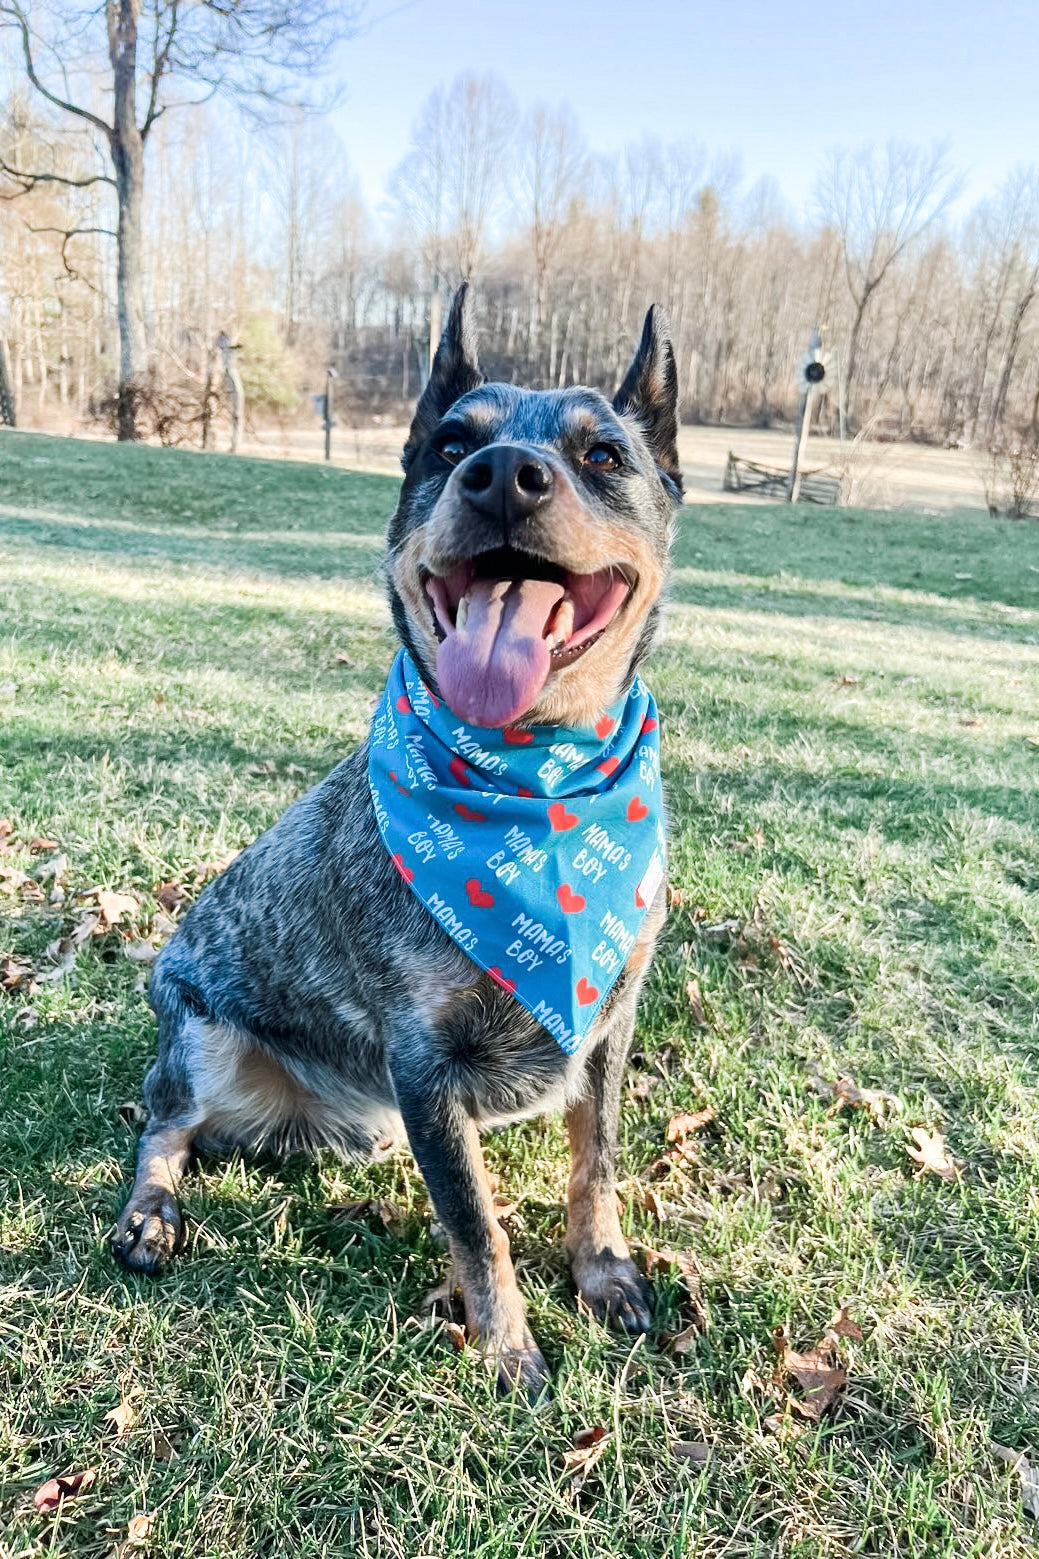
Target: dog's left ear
(455, 371)
(650, 392)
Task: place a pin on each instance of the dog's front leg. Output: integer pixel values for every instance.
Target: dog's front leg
(605, 1276)
(446, 1146)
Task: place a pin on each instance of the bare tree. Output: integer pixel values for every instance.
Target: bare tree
(553, 166)
(879, 205)
(138, 55)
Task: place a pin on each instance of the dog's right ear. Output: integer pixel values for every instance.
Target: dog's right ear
(455, 371)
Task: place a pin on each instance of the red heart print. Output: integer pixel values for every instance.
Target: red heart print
(640, 902)
(478, 898)
(560, 818)
(458, 771)
(404, 704)
(608, 766)
(521, 790)
(604, 727)
(500, 979)
(518, 737)
(398, 784)
(468, 813)
(585, 992)
(570, 902)
(648, 725)
(637, 809)
(405, 871)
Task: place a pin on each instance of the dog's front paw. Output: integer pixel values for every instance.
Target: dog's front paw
(522, 1370)
(150, 1231)
(614, 1291)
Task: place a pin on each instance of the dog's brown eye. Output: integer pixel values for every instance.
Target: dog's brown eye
(453, 449)
(602, 457)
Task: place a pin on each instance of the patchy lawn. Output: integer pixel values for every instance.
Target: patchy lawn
(852, 749)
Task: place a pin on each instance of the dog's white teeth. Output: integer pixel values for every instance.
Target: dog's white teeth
(462, 612)
(562, 625)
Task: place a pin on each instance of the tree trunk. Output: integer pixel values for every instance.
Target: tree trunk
(127, 148)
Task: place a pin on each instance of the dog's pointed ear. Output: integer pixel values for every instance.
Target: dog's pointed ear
(456, 370)
(649, 392)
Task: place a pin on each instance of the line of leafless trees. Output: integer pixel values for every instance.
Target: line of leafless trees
(254, 229)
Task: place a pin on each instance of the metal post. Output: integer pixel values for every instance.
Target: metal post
(330, 378)
(804, 416)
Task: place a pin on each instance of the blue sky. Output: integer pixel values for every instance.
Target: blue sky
(775, 82)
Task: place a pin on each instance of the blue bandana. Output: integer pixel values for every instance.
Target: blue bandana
(537, 850)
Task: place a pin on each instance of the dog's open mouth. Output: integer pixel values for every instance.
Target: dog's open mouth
(506, 619)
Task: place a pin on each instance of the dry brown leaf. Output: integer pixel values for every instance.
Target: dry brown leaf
(170, 896)
(642, 1085)
(139, 1528)
(675, 897)
(874, 1101)
(651, 1201)
(15, 973)
(51, 1495)
(681, 1127)
(685, 1341)
(687, 1271)
(1027, 1472)
(695, 1000)
(819, 1373)
(37, 845)
(821, 1380)
(123, 1417)
(114, 906)
(842, 1324)
(456, 1334)
(588, 1447)
(697, 1451)
(931, 1154)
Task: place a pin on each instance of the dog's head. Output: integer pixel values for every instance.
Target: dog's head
(529, 549)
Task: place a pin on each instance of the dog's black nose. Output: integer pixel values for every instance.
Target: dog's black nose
(506, 481)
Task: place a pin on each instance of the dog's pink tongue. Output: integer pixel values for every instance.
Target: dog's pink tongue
(492, 669)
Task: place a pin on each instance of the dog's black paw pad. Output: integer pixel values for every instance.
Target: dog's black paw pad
(148, 1235)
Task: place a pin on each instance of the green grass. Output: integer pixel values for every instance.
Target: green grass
(186, 643)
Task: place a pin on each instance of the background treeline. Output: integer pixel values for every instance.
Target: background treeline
(929, 311)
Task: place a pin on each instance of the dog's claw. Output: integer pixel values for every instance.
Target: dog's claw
(148, 1234)
(615, 1292)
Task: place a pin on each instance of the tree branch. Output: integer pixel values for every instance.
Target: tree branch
(67, 234)
(160, 65)
(29, 180)
(16, 16)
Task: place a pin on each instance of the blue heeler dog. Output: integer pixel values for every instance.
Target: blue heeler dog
(310, 998)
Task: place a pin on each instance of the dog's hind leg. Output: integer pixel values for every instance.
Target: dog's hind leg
(446, 1145)
(605, 1276)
